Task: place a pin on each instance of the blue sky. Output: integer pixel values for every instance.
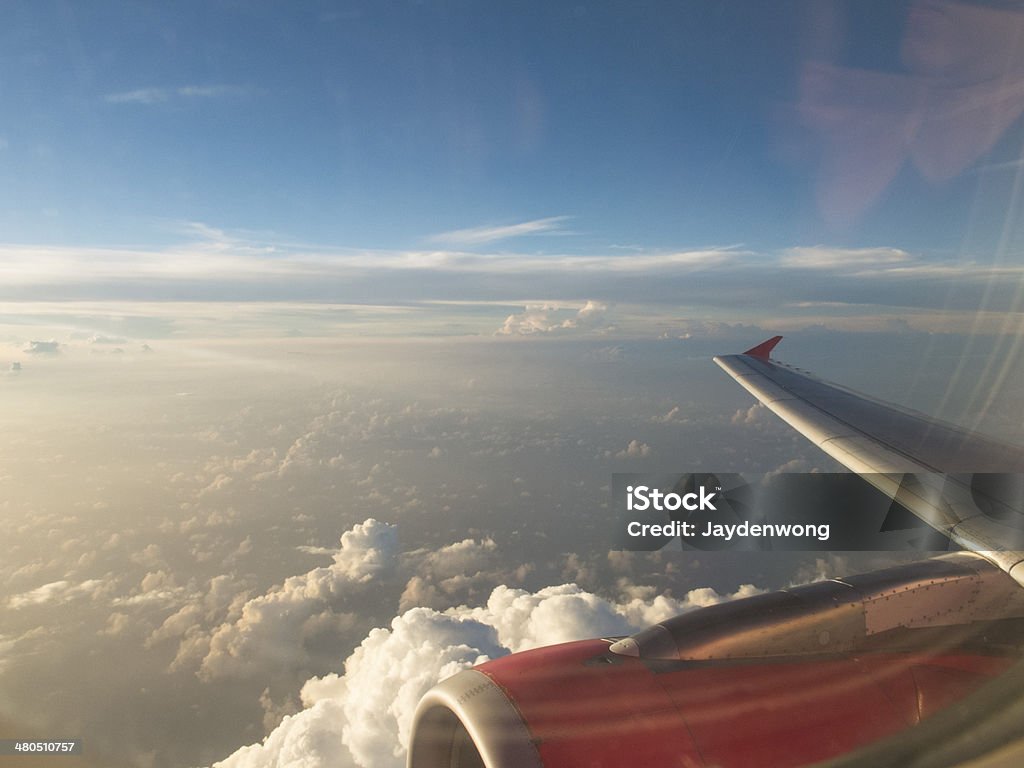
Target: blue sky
(732, 159)
(380, 125)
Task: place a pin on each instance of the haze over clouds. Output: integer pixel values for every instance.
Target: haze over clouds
(286, 513)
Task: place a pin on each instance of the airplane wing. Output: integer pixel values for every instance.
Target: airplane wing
(962, 483)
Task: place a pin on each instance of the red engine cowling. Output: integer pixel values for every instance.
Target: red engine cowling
(781, 679)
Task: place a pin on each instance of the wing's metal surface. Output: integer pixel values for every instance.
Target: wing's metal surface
(962, 483)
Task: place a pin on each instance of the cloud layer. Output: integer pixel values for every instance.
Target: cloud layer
(363, 716)
(869, 288)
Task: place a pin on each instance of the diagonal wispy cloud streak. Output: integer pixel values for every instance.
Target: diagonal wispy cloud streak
(159, 95)
(481, 235)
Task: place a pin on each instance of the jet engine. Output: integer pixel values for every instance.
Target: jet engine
(783, 679)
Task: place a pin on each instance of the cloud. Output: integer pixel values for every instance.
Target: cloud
(591, 315)
(139, 96)
(544, 319)
(793, 465)
(42, 347)
(635, 450)
(363, 716)
(366, 551)
(102, 339)
(61, 591)
(846, 259)
(673, 416)
(872, 284)
(149, 96)
(535, 319)
(558, 614)
(312, 738)
(481, 235)
(864, 287)
(752, 415)
(206, 91)
(276, 628)
(454, 573)
(211, 255)
(831, 565)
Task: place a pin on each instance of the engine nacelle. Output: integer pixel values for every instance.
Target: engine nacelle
(782, 679)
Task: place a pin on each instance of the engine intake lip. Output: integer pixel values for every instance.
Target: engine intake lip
(472, 702)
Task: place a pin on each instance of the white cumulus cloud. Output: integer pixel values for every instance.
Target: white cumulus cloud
(635, 450)
(363, 716)
(551, 319)
(273, 627)
(751, 415)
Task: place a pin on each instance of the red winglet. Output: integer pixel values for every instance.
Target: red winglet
(764, 349)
